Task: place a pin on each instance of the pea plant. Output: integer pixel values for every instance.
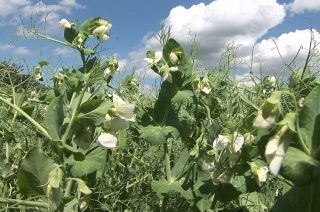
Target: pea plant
(205, 142)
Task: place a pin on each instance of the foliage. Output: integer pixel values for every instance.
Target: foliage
(205, 143)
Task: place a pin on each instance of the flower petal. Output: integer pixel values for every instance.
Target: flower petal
(107, 140)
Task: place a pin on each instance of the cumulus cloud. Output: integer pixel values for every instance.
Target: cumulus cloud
(10, 11)
(18, 50)
(217, 24)
(292, 46)
(8, 7)
(300, 6)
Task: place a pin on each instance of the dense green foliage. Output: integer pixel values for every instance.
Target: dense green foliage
(205, 142)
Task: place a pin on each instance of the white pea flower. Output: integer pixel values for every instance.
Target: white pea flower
(301, 102)
(261, 175)
(103, 38)
(237, 142)
(100, 30)
(107, 72)
(105, 23)
(78, 41)
(205, 85)
(275, 152)
(272, 80)
(173, 58)
(155, 60)
(107, 140)
(165, 71)
(115, 124)
(220, 143)
(65, 23)
(123, 110)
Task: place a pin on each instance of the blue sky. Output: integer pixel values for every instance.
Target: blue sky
(215, 24)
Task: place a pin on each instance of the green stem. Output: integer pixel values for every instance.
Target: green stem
(68, 188)
(54, 40)
(34, 122)
(167, 162)
(74, 115)
(24, 202)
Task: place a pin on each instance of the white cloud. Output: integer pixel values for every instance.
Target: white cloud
(216, 25)
(12, 10)
(300, 6)
(17, 50)
(289, 44)
(8, 7)
(63, 52)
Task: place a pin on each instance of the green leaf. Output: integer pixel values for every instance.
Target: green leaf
(55, 177)
(70, 34)
(162, 187)
(94, 161)
(34, 172)
(239, 183)
(253, 201)
(88, 25)
(309, 122)
(83, 188)
(181, 164)
(299, 198)
(54, 117)
(183, 96)
(94, 111)
(204, 204)
(43, 63)
(158, 135)
(299, 167)
(122, 138)
(87, 51)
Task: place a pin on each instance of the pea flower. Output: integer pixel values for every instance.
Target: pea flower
(237, 142)
(220, 143)
(205, 85)
(78, 41)
(38, 73)
(260, 173)
(272, 80)
(65, 23)
(173, 58)
(165, 71)
(196, 84)
(269, 111)
(101, 30)
(107, 140)
(115, 124)
(154, 60)
(122, 109)
(103, 38)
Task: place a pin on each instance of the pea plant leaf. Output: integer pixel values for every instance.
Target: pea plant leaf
(309, 122)
(34, 172)
(94, 160)
(54, 117)
(158, 135)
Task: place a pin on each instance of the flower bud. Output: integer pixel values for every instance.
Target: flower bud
(173, 58)
(100, 30)
(65, 23)
(103, 38)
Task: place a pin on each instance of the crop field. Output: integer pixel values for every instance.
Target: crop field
(203, 141)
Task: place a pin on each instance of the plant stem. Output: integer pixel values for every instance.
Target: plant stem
(24, 202)
(167, 162)
(34, 122)
(75, 113)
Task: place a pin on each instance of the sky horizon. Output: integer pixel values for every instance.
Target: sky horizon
(215, 24)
